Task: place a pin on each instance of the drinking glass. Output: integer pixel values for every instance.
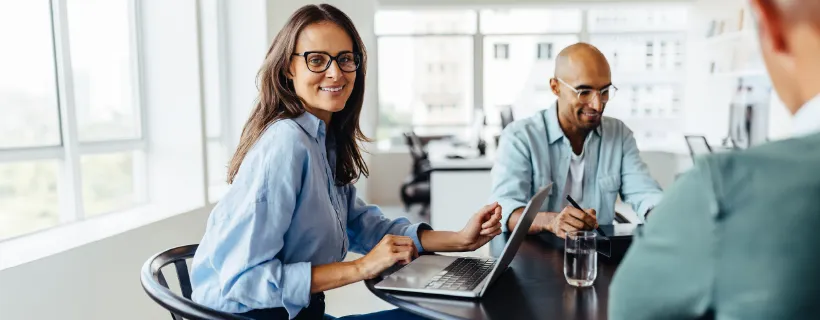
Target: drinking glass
(580, 258)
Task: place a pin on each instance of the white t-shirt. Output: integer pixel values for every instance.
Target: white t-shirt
(575, 179)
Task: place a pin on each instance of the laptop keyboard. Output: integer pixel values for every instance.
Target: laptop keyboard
(464, 274)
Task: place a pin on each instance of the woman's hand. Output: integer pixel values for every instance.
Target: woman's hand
(390, 250)
(482, 227)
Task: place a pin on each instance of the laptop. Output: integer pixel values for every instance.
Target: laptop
(462, 276)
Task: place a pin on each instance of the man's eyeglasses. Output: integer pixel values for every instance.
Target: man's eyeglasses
(588, 95)
(320, 61)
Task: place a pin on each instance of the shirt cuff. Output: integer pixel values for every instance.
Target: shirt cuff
(507, 207)
(412, 231)
(296, 287)
(645, 207)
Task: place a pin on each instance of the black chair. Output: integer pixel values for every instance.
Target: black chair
(181, 307)
(416, 188)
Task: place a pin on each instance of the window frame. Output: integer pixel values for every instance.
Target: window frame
(68, 153)
(584, 35)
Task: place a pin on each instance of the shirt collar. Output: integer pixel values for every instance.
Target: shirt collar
(311, 124)
(805, 121)
(554, 131)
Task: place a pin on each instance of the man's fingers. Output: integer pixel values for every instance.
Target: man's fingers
(570, 220)
(567, 228)
(582, 216)
(594, 215)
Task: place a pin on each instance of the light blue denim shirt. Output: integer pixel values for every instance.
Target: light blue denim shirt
(534, 152)
(282, 215)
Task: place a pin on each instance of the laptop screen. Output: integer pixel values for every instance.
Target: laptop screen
(518, 235)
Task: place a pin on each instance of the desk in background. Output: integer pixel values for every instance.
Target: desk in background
(458, 187)
(533, 288)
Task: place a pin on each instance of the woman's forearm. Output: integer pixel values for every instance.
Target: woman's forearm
(442, 241)
(334, 275)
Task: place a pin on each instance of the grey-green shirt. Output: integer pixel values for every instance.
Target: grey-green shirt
(739, 235)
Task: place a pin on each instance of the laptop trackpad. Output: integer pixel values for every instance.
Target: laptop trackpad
(419, 272)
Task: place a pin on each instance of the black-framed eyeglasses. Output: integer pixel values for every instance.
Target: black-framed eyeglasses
(587, 95)
(318, 61)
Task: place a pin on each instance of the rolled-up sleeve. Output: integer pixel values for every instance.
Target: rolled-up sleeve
(638, 188)
(511, 175)
(243, 243)
(366, 225)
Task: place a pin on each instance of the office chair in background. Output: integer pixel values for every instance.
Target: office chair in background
(416, 188)
(506, 116)
(697, 146)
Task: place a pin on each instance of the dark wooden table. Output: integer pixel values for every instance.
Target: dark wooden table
(532, 288)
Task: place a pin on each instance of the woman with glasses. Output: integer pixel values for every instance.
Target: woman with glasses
(279, 237)
(590, 158)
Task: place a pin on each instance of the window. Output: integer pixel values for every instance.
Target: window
(502, 51)
(28, 93)
(71, 143)
(645, 46)
(425, 64)
(544, 51)
(522, 81)
(101, 56)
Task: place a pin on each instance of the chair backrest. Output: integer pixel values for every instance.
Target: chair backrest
(507, 116)
(181, 307)
(697, 146)
(415, 146)
(417, 152)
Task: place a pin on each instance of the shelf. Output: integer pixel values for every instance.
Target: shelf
(730, 36)
(739, 74)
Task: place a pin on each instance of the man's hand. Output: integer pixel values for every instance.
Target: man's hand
(482, 227)
(571, 219)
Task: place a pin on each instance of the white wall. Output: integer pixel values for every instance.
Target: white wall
(388, 170)
(247, 38)
(99, 280)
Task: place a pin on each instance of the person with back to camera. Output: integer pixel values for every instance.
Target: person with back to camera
(736, 236)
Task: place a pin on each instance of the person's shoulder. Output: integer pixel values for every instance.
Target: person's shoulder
(783, 155)
(762, 172)
(534, 123)
(282, 140)
(284, 133)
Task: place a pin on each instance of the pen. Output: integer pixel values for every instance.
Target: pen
(575, 204)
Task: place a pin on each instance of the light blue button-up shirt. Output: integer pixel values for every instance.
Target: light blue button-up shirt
(534, 152)
(282, 215)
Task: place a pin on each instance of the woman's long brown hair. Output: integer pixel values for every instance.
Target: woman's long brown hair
(277, 99)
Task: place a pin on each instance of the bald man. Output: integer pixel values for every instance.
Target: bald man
(736, 237)
(587, 156)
